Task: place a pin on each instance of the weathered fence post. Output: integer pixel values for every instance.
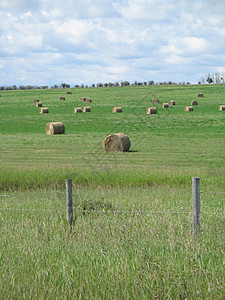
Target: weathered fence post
(69, 202)
(196, 204)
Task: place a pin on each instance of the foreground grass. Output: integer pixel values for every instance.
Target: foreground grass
(125, 244)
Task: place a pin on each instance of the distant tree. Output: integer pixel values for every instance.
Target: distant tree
(151, 82)
(145, 83)
(111, 84)
(76, 86)
(93, 85)
(14, 87)
(2, 88)
(125, 83)
(63, 85)
(106, 84)
(55, 86)
(116, 83)
(100, 84)
(22, 87)
(209, 78)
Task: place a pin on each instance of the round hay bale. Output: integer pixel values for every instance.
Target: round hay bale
(39, 104)
(201, 95)
(151, 110)
(171, 102)
(55, 128)
(88, 100)
(165, 105)
(77, 110)
(69, 92)
(155, 101)
(188, 108)
(82, 99)
(118, 142)
(194, 103)
(117, 109)
(222, 107)
(36, 100)
(87, 109)
(62, 98)
(44, 110)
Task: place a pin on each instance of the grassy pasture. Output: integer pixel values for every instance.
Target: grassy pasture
(132, 238)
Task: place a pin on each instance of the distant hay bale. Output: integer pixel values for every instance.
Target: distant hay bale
(55, 128)
(39, 104)
(87, 109)
(44, 110)
(88, 100)
(151, 110)
(77, 110)
(222, 107)
(194, 103)
(171, 102)
(201, 95)
(155, 101)
(36, 100)
(69, 92)
(82, 99)
(118, 142)
(62, 98)
(117, 109)
(188, 108)
(165, 105)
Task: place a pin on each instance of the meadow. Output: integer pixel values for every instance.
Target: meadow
(132, 235)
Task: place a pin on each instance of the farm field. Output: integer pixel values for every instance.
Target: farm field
(132, 236)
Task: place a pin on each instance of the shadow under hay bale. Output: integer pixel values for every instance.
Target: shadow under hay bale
(77, 110)
(151, 110)
(188, 108)
(62, 98)
(200, 95)
(165, 105)
(117, 109)
(82, 99)
(194, 103)
(39, 104)
(222, 107)
(155, 101)
(171, 102)
(88, 100)
(87, 109)
(36, 100)
(55, 128)
(118, 142)
(44, 110)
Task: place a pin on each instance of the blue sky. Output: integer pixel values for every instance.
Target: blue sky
(89, 41)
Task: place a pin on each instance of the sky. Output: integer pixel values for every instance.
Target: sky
(47, 42)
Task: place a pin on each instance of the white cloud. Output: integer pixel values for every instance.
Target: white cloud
(96, 40)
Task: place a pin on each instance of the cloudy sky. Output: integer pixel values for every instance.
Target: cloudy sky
(46, 42)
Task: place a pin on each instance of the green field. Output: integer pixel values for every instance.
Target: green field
(132, 236)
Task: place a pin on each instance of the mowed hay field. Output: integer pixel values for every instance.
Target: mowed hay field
(132, 235)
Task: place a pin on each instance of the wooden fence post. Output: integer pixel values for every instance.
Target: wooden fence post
(69, 202)
(196, 204)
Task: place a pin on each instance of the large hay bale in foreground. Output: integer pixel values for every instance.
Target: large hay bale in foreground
(77, 110)
(151, 110)
(200, 95)
(117, 109)
(165, 105)
(118, 142)
(222, 107)
(171, 102)
(55, 128)
(88, 100)
(36, 100)
(62, 98)
(155, 101)
(39, 104)
(82, 99)
(188, 108)
(87, 109)
(44, 110)
(194, 103)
